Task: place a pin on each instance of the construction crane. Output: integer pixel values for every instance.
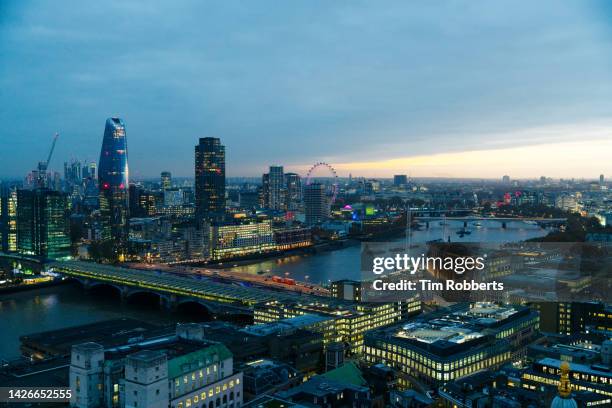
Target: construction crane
(43, 165)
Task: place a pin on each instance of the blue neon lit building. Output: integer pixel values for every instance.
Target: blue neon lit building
(113, 184)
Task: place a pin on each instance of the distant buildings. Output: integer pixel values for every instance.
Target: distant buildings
(315, 204)
(400, 180)
(42, 223)
(114, 186)
(210, 179)
(568, 202)
(166, 180)
(281, 191)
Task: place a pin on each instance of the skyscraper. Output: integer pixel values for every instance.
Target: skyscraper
(400, 180)
(210, 179)
(276, 188)
(293, 185)
(315, 204)
(8, 220)
(42, 223)
(114, 187)
(166, 180)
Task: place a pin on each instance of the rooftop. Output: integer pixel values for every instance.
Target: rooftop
(284, 325)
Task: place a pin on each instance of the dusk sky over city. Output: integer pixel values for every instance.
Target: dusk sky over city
(462, 89)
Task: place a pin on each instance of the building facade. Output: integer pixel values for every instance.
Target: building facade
(315, 204)
(114, 186)
(42, 223)
(210, 179)
(182, 371)
(8, 220)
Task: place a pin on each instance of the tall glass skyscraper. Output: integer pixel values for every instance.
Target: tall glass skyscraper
(114, 187)
(210, 179)
(42, 223)
(8, 219)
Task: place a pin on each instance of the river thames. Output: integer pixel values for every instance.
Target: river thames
(68, 305)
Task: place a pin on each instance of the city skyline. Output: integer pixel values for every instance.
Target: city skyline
(384, 100)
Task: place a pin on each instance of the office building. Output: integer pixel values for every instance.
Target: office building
(293, 187)
(175, 371)
(173, 197)
(292, 238)
(443, 346)
(338, 321)
(114, 186)
(316, 205)
(573, 317)
(241, 239)
(166, 180)
(595, 378)
(8, 220)
(274, 188)
(346, 289)
(400, 180)
(210, 179)
(42, 223)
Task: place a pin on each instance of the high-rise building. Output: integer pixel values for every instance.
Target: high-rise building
(601, 180)
(506, 179)
(293, 185)
(210, 179)
(91, 170)
(276, 189)
(400, 180)
(114, 187)
(316, 205)
(166, 180)
(42, 223)
(8, 220)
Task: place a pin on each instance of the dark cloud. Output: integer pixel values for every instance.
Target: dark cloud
(294, 82)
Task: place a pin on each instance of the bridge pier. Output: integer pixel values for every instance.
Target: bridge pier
(464, 224)
(504, 226)
(169, 303)
(124, 293)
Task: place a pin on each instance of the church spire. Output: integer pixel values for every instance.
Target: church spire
(565, 387)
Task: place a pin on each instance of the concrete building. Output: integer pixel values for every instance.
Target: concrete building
(316, 205)
(179, 371)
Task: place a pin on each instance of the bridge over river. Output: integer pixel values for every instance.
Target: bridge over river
(174, 290)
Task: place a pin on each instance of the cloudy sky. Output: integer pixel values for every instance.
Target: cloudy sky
(446, 88)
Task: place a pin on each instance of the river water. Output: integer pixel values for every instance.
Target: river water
(68, 305)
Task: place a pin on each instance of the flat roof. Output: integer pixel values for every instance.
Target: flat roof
(292, 323)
